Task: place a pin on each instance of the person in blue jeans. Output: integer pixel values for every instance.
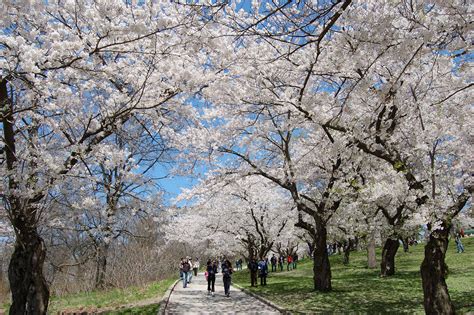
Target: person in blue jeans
(459, 245)
(186, 268)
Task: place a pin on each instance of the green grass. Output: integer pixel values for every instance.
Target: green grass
(357, 289)
(144, 310)
(110, 299)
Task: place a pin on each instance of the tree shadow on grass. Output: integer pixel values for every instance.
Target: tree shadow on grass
(463, 301)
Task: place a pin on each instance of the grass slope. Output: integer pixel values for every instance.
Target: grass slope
(357, 289)
(115, 298)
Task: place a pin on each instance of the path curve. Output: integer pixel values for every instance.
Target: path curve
(195, 300)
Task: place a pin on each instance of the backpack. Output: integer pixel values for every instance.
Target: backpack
(186, 267)
(226, 271)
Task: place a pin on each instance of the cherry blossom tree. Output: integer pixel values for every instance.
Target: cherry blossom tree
(385, 79)
(70, 74)
(236, 215)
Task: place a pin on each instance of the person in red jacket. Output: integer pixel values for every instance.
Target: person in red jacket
(289, 261)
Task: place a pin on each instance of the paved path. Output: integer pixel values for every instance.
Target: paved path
(195, 300)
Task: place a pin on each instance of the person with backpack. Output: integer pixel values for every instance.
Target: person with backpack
(185, 267)
(253, 267)
(211, 271)
(262, 271)
(226, 276)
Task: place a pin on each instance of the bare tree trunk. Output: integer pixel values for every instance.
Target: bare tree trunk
(30, 293)
(371, 257)
(321, 265)
(390, 248)
(102, 253)
(433, 274)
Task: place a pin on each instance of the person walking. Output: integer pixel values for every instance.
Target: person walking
(263, 271)
(281, 261)
(227, 276)
(289, 262)
(273, 261)
(196, 266)
(180, 267)
(295, 260)
(253, 267)
(186, 271)
(211, 270)
(190, 274)
(459, 245)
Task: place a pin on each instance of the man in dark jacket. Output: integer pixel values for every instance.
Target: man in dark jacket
(253, 267)
(226, 276)
(186, 268)
(273, 260)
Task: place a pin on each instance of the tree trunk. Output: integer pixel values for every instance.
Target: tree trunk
(433, 274)
(347, 247)
(321, 266)
(30, 293)
(387, 267)
(371, 257)
(102, 253)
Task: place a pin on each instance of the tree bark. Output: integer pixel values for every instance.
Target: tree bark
(30, 293)
(102, 253)
(371, 257)
(433, 273)
(321, 265)
(387, 267)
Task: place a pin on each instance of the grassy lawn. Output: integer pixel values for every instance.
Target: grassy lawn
(112, 299)
(143, 310)
(358, 289)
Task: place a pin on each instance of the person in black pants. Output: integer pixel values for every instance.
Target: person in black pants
(226, 276)
(211, 276)
(253, 267)
(263, 271)
(273, 261)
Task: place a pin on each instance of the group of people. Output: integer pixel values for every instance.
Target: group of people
(238, 264)
(212, 269)
(260, 269)
(186, 269)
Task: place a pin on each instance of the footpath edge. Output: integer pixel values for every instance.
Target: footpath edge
(262, 299)
(166, 297)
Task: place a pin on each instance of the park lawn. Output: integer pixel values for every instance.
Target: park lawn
(113, 298)
(357, 289)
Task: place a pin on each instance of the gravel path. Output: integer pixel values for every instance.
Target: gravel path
(195, 300)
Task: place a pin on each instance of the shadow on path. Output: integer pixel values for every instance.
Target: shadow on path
(195, 300)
